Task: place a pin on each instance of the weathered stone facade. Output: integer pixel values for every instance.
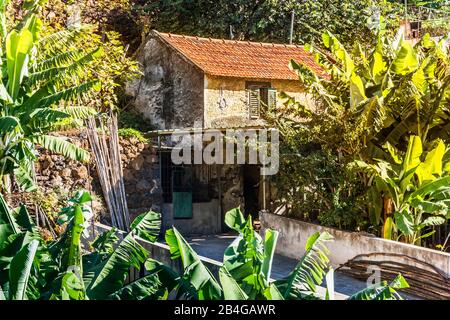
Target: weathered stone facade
(142, 186)
(174, 93)
(226, 100)
(170, 93)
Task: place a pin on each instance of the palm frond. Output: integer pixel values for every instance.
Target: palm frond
(44, 118)
(69, 94)
(79, 112)
(59, 60)
(57, 74)
(62, 39)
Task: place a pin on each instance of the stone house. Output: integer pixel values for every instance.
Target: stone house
(193, 83)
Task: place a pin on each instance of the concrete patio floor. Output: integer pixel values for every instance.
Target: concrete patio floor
(214, 246)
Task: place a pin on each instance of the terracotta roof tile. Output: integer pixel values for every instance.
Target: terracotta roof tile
(241, 59)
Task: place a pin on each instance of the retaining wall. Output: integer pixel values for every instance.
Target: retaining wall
(346, 245)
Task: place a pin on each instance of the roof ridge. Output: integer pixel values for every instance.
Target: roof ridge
(260, 43)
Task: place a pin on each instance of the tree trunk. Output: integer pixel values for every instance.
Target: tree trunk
(388, 209)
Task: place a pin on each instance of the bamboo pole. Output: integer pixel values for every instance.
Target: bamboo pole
(109, 169)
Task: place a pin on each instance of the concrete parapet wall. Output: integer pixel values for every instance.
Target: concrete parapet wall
(346, 245)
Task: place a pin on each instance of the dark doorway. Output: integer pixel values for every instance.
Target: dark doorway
(252, 179)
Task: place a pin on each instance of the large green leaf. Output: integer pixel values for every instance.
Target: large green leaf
(411, 161)
(332, 43)
(231, 289)
(235, 219)
(18, 46)
(270, 243)
(378, 65)
(406, 60)
(357, 94)
(61, 146)
(388, 228)
(169, 279)
(146, 288)
(8, 124)
(194, 270)
(272, 293)
(72, 281)
(244, 259)
(382, 291)
(147, 226)
(310, 271)
(432, 166)
(404, 222)
(430, 187)
(109, 276)
(20, 270)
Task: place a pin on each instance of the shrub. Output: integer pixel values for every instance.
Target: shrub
(132, 133)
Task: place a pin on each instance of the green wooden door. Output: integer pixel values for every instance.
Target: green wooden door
(182, 193)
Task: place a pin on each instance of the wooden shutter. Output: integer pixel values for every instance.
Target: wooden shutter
(253, 103)
(272, 98)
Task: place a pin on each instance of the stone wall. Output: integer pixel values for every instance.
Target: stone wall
(142, 187)
(55, 174)
(170, 93)
(61, 178)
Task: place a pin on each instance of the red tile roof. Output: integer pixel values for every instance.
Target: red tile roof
(240, 59)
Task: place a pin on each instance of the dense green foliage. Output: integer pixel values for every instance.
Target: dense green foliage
(69, 269)
(247, 263)
(131, 133)
(372, 99)
(98, 20)
(44, 83)
(55, 77)
(419, 191)
(265, 20)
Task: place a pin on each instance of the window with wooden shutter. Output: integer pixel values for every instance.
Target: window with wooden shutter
(254, 97)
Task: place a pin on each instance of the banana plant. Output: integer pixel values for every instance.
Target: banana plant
(380, 95)
(38, 91)
(418, 187)
(382, 291)
(30, 268)
(70, 267)
(245, 274)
